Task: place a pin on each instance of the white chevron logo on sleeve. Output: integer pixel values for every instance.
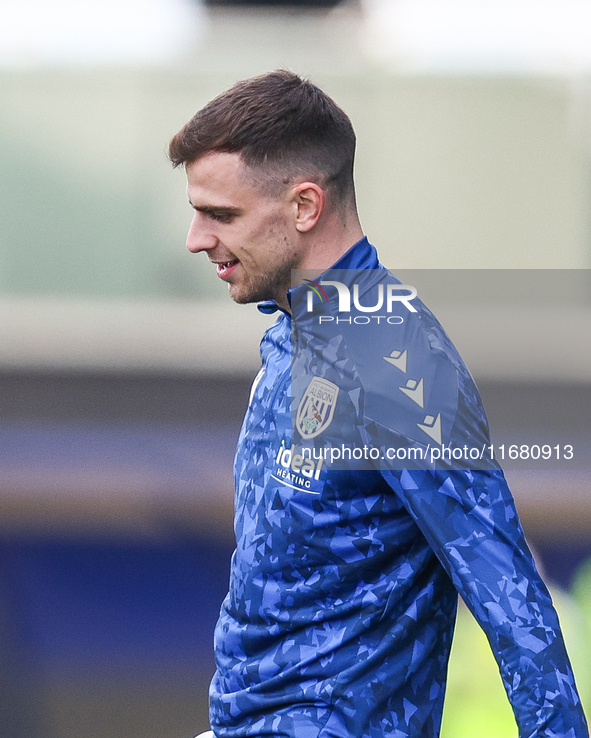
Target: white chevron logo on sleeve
(397, 359)
(432, 427)
(414, 390)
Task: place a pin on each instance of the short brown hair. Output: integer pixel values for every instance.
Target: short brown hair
(282, 125)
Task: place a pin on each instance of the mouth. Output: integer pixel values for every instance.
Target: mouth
(225, 268)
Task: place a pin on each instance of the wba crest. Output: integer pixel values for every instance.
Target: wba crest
(316, 408)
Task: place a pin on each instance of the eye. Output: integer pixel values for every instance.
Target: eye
(221, 217)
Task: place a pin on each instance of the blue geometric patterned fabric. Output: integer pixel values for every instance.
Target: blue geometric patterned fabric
(343, 590)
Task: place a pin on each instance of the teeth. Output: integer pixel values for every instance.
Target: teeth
(227, 264)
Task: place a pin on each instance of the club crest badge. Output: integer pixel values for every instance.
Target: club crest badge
(316, 408)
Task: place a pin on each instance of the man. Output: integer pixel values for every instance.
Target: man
(344, 581)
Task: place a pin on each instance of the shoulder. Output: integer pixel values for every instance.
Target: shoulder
(414, 381)
(372, 338)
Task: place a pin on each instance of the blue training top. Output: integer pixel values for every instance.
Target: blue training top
(344, 582)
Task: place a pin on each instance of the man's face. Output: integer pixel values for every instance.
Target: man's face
(251, 237)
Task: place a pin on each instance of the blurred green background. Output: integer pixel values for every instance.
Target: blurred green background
(124, 368)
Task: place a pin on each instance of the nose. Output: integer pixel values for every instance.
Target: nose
(200, 237)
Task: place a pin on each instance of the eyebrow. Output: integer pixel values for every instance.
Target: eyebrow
(217, 209)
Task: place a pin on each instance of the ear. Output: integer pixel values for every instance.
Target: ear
(309, 199)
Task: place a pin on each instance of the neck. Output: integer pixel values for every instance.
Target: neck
(325, 245)
(329, 241)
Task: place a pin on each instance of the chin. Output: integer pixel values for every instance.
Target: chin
(245, 293)
(243, 297)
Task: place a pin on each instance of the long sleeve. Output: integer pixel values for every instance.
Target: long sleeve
(470, 521)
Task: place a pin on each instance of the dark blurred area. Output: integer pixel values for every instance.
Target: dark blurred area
(115, 541)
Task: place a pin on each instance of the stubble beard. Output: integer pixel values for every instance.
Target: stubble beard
(269, 286)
